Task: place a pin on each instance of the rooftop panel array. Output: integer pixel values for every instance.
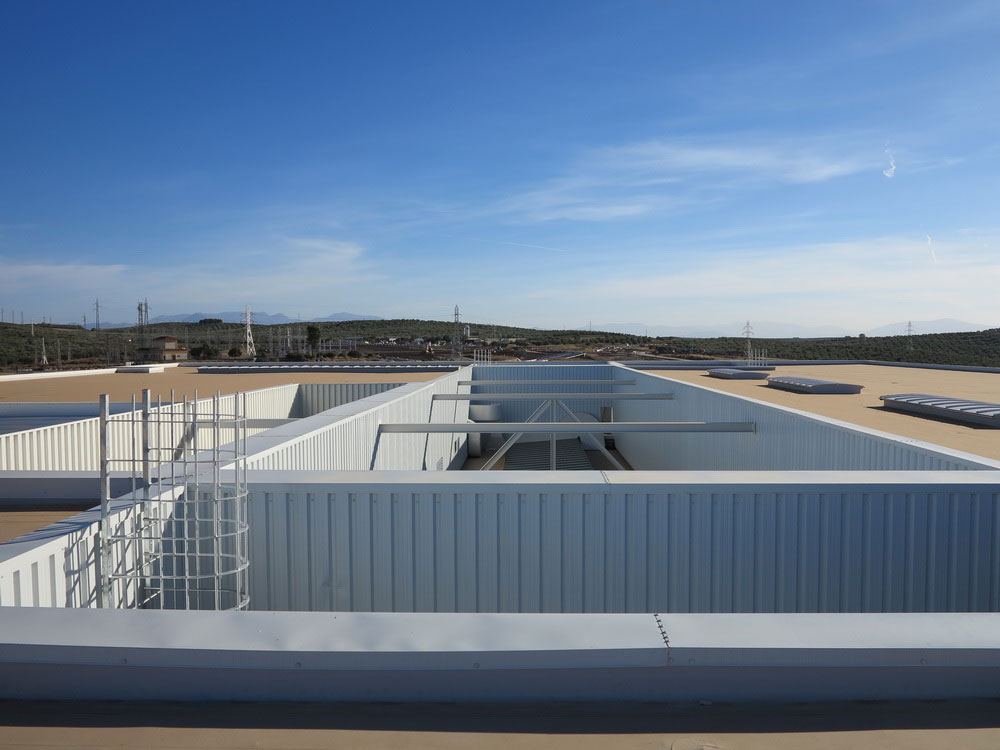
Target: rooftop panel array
(811, 385)
(732, 373)
(960, 409)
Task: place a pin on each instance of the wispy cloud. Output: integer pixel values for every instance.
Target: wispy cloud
(890, 171)
(32, 277)
(586, 197)
(934, 22)
(842, 282)
(508, 243)
(669, 175)
(672, 160)
(309, 273)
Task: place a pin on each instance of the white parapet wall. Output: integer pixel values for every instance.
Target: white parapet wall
(348, 438)
(585, 542)
(150, 655)
(73, 446)
(60, 374)
(784, 438)
(58, 565)
(625, 541)
(313, 398)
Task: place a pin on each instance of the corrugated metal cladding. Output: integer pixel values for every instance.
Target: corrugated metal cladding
(636, 549)
(73, 446)
(783, 440)
(312, 398)
(62, 571)
(518, 411)
(353, 441)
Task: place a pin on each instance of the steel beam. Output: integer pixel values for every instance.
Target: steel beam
(253, 423)
(591, 395)
(572, 428)
(546, 382)
(509, 442)
(104, 567)
(598, 442)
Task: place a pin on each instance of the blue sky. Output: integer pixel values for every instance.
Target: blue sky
(543, 164)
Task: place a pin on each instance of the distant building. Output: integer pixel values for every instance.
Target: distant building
(163, 349)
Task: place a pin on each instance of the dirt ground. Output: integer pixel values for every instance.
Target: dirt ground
(865, 409)
(184, 380)
(929, 725)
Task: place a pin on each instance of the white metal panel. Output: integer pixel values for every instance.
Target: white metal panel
(73, 446)
(520, 411)
(57, 566)
(514, 547)
(784, 439)
(347, 437)
(585, 546)
(313, 398)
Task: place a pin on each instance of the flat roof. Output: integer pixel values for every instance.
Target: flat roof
(184, 380)
(15, 522)
(865, 408)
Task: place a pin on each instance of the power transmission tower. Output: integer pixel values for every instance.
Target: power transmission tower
(142, 325)
(97, 314)
(909, 335)
(456, 337)
(748, 333)
(248, 345)
(755, 357)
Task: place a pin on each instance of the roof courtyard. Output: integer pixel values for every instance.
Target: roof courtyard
(670, 535)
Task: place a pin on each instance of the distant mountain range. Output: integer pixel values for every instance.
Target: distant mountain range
(766, 329)
(260, 318)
